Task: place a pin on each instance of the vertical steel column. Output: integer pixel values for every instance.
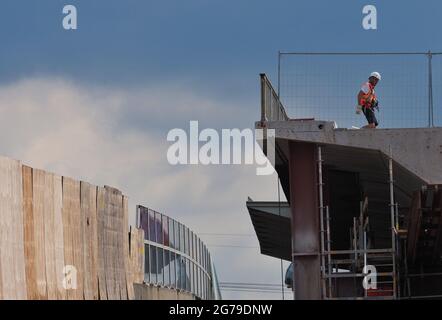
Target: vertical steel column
(392, 217)
(330, 267)
(321, 218)
(305, 220)
(279, 214)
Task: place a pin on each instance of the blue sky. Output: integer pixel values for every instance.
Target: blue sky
(205, 41)
(136, 69)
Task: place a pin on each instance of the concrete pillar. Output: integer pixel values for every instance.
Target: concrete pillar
(305, 220)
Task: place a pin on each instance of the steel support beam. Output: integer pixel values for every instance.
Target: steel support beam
(305, 220)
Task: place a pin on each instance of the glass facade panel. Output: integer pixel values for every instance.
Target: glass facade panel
(199, 251)
(187, 275)
(152, 236)
(200, 282)
(183, 273)
(191, 277)
(153, 264)
(165, 231)
(171, 233)
(144, 221)
(178, 271)
(160, 278)
(177, 235)
(172, 270)
(187, 268)
(146, 263)
(158, 228)
(181, 237)
(203, 295)
(191, 243)
(166, 267)
(196, 248)
(184, 239)
(203, 257)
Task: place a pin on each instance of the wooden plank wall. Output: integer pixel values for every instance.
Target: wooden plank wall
(49, 235)
(137, 254)
(68, 230)
(88, 203)
(38, 184)
(59, 237)
(101, 208)
(29, 238)
(12, 262)
(18, 236)
(127, 260)
(110, 233)
(72, 230)
(48, 222)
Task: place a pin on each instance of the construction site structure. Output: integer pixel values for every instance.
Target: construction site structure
(364, 213)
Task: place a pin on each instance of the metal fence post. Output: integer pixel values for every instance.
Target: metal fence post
(279, 75)
(430, 90)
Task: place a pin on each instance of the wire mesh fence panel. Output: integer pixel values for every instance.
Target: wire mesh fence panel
(437, 89)
(325, 87)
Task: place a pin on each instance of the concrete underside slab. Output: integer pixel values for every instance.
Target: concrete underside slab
(417, 161)
(417, 150)
(416, 153)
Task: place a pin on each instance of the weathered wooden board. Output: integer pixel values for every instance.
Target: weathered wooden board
(29, 241)
(122, 247)
(58, 236)
(137, 255)
(3, 217)
(89, 231)
(113, 243)
(6, 265)
(49, 235)
(107, 237)
(127, 260)
(72, 235)
(101, 209)
(12, 250)
(38, 183)
(119, 262)
(110, 244)
(77, 238)
(12, 262)
(18, 222)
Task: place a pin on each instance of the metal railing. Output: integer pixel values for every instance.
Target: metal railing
(324, 85)
(271, 107)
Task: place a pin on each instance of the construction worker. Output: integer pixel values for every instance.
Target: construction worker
(367, 100)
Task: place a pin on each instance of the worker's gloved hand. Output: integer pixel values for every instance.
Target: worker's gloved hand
(375, 105)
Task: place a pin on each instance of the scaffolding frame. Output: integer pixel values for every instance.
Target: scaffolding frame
(359, 254)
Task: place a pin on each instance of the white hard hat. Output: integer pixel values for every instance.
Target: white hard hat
(375, 74)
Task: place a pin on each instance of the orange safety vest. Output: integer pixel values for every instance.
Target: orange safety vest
(368, 98)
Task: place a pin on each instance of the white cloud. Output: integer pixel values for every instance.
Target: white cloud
(117, 137)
